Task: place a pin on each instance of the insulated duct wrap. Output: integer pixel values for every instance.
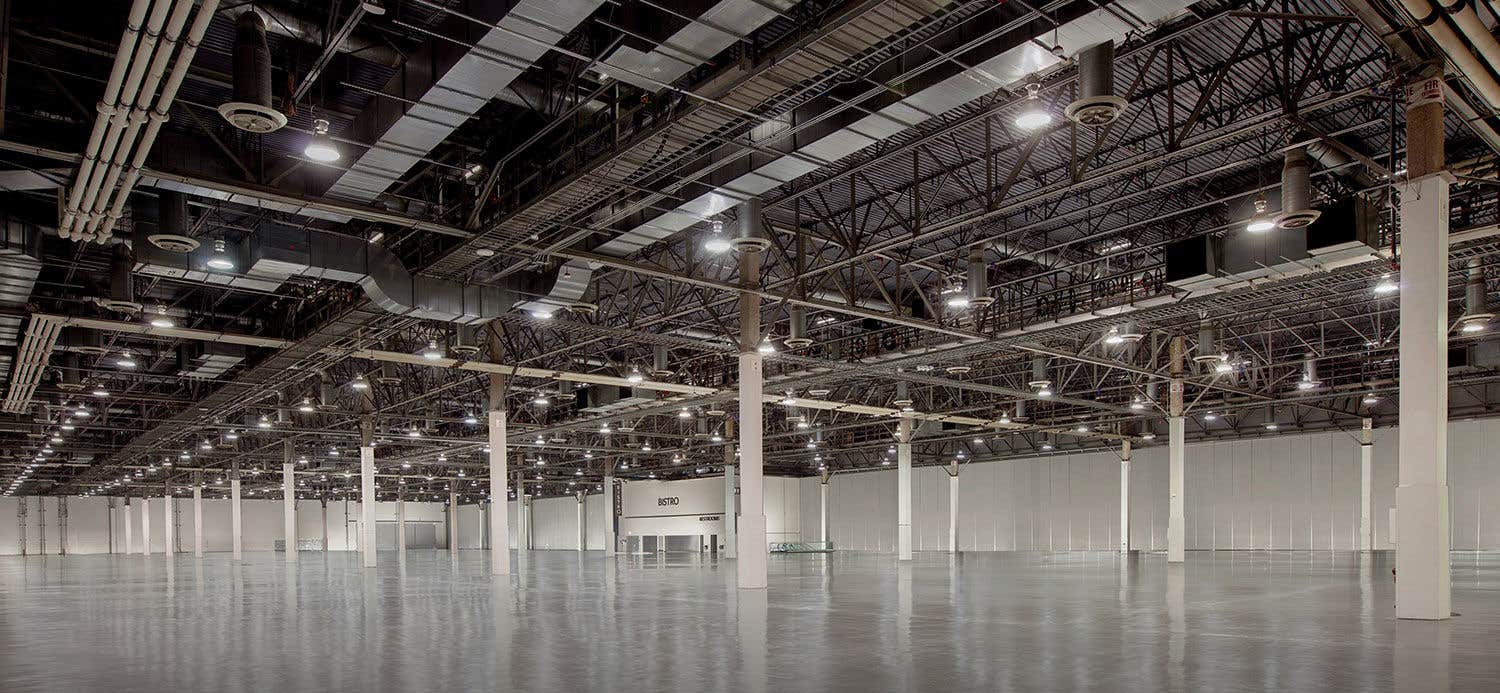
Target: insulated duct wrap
(251, 108)
(1296, 191)
(1097, 105)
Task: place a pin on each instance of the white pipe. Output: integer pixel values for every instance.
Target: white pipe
(195, 34)
(1468, 22)
(106, 108)
(1454, 48)
(119, 119)
(165, 47)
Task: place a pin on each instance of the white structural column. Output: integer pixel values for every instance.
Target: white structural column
(367, 491)
(145, 526)
(401, 522)
(609, 510)
(1125, 496)
(953, 508)
(1423, 590)
(903, 490)
(323, 513)
(289, 499)
(823, 509)
(129, 537)
(1366, 452)
(731, 495)
(452, 520)
(499, 496)
(582, 533)
(236, 524)
(750, 562)
(169, 531)
(198, 514)
(1176, 517)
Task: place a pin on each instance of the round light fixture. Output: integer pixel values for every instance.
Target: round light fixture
(321, 147)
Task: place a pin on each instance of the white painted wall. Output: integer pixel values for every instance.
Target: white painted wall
(89, 523)
(1286, 492)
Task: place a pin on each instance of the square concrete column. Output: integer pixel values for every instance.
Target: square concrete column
(609, 510)
(731, 500)
(1423, 589)
(401, 523)
(1366, 453)
(1176, 427)
(169, 536)
(903, 490)
(582, 538)
(953, 509)
(289, 506)
(145, 526)
(129, 538)
(236, 526)
(1125, 496)
(750, 532)
(367, 504)
(198, 514)
(499, 497)
(452, 520)
(823, 509)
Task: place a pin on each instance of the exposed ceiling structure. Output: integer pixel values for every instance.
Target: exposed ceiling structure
(237, 224)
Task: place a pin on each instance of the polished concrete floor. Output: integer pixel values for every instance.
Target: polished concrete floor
(1245, 621)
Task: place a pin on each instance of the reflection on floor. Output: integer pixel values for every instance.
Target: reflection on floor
(436, 621)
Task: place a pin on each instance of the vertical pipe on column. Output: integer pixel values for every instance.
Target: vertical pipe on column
(903, 490)
(751, 532)
(1176, 532)
(1125, 496)
(289, 498)
(609, 509)
(236, 526)
(198, 514)
(1424, 590)
(367, 490)
(731, 497)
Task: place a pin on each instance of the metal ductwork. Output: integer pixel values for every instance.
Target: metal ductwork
(843, 131)
(1015, 251)
(659, 366)
(441, 86)
(685, 49)
(173, 223)
(1021, 414)
(278, 253)
(1296, 191)
(1039, 380)
(797, 329)
(208, 360)
(978, 282)
(121, 282)
(466, 341)
(1208, 344)
(903, 398)
(251, 108)
(1096, 105)
(19, 267)
(1477, 312)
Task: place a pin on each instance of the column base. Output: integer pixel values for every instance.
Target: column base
(1423, 575)
(750, 566)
